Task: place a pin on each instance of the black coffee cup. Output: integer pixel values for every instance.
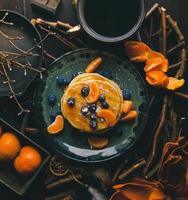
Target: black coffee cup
(111, 20)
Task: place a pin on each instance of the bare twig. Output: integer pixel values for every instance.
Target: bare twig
(127, 172)
(152, 10)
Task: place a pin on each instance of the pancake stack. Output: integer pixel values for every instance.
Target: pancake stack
(92, 103)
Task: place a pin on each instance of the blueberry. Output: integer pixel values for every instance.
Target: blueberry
(85, 110)
(67, 81)
(93, 117)
(76, 74)
(105, 105)
(93, 107)
(60, 80)
(85, 91)
(93, 124)
(53, 116)
(101, 73)
(71, 101)
(102, 98)
(58, 111)
(52, 99)
(108, 74)
(126, 95)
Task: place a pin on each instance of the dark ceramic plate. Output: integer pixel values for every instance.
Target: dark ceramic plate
(21, 27)
(8, 176)
(71, 142)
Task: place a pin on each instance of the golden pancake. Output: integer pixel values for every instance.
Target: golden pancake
(106, 87)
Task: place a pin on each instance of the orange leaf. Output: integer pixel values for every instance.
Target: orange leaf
(157, 78)
(57, 125)
(93, 65)
(108, 115)
(137, 51)
(174, 83)
(94, 92)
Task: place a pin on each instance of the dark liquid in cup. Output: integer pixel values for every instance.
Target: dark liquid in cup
(112, 18)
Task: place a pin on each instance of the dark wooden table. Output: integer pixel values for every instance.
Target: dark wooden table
(177, 8)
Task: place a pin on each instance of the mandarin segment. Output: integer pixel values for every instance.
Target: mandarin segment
(108, 115)
(153, 64)
(130, 115)
(98, 142)
(94, 92)
(57, 125)
(93, 65)
(127, 106)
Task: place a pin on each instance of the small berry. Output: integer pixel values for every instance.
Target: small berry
(93, 107)
(93, 124)
(126, 95)
(52, 99)
(105, 105)
(75, 75)
(71, 101)
(102, 98)
(53, 116)
(85, 110)
(93, 117)
(85, 91)
(60, 80)
(58, 111)
(67, 81)
(108, 74)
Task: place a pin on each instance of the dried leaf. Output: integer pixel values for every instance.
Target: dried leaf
(139, 189)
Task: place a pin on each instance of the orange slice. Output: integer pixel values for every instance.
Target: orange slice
(137, 51)
(127, 106)
(164, 66)
(93, 65)
(174, 83)
(94, 92)
(57, 125)
(157, 78)
(130, 115)
(98, 142)
(108, 115)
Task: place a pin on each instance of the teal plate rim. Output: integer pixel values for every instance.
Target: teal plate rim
(99, 158)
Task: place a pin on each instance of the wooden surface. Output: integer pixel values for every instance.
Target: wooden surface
(177, 8)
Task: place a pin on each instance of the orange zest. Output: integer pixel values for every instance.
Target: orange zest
(130, 115)
(94, 92)
(127, 106)
(57, 125)
(164, 66)
(137, 51)
(108, 115)
(157, 78)
(174, 83)
(98, 142)
(156, 65)
(93, 65)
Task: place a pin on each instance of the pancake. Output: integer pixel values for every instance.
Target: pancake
(107, 87)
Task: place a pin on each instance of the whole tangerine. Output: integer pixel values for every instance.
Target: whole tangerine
(28, 160)
(9, 146)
